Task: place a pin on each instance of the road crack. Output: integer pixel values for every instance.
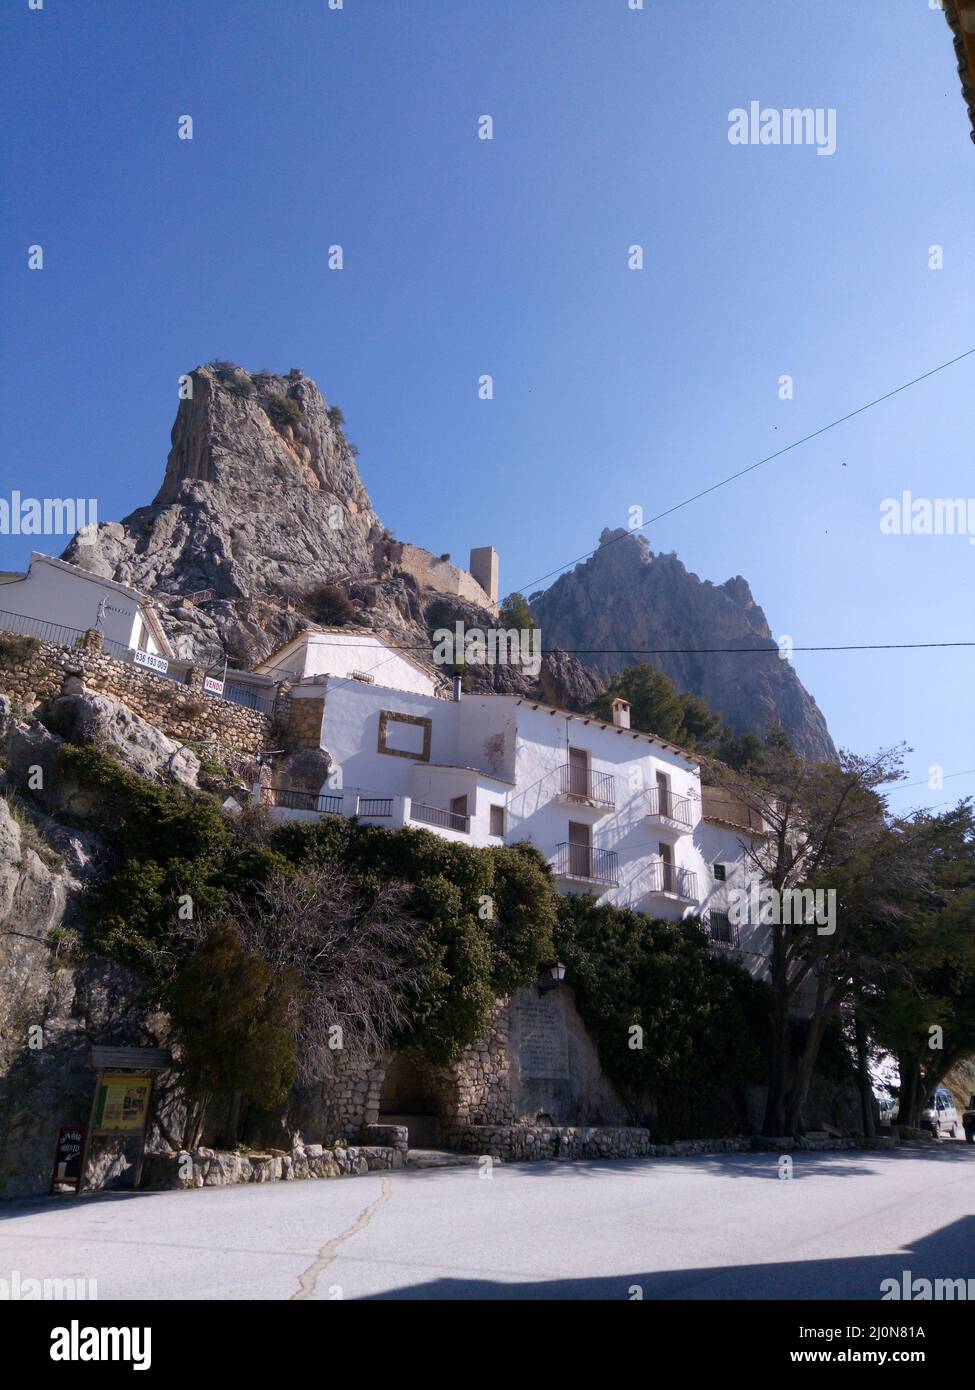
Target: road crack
(308, 1279)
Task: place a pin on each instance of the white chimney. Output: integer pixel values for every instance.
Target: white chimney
(458, 686)
(621, 713)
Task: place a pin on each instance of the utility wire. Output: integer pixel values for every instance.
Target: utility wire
(685, 651)
(521, 588)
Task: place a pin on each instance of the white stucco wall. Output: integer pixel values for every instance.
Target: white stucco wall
(538, 814)
(721, 844)
(340, 653)
(499, 750)
(350, 733)
(71, 597)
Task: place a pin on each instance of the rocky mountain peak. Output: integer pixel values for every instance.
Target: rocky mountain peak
(626, 605)
(268, 432)
(261, 502)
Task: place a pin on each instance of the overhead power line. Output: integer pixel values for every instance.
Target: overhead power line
(683, 651)
(732, 477)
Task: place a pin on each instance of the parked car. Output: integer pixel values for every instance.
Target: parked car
(940, 1114)
(887, 1106)
(968, 1121)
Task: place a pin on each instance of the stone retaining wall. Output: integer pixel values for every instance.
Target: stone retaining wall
(182, 711)
(208, 1168)
(505, 1143)
(519, 1143)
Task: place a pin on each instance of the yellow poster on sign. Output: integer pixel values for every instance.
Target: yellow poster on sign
(123, 1103)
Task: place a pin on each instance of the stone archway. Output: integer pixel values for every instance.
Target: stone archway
(413, 1095)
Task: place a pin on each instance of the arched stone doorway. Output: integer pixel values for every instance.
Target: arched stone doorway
(411, 1096)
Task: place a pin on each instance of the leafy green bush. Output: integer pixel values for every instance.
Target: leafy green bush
(487, 916)
(515, 613)
(702, 1018)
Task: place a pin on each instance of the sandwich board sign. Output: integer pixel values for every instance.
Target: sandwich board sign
(67, 1156)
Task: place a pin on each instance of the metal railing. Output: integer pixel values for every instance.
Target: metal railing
(669, 878)
(251, 697)
(582, 861)
(721, 929)
(55, 633)
(58, 635)
(586, 785)
(375, 806)
(663, 802)
(292, 800)
(446, 820)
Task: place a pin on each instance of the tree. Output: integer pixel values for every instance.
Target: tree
(825, 829)
(694, 1015)
(233, 1019)
(921, 1006)
(523, 915)
(656, 705)
(351, 944)
(515, 613)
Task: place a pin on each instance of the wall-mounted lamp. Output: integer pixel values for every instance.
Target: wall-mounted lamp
(557, 973)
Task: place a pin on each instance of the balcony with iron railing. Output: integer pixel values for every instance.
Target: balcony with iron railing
(582, 786)
(666, 811)
(671, 881)
(584, 862)
(442, 820)
(289, 799)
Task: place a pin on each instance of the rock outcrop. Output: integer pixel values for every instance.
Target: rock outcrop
(262, 505)
(86, 718)
(625, 600)
(52, 1006)
(261, 501)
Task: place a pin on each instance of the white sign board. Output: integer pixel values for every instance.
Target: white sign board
(155, 663)
(214, 686)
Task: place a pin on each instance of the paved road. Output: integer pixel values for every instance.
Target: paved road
(725, 1226)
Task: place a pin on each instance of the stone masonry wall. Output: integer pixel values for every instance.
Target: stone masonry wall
(211, 1168)
(181, 711)
(434, 573)
(471, 1091)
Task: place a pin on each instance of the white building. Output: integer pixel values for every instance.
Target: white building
(617, 813)
(56, 595)
(730, 834)
(349, 653)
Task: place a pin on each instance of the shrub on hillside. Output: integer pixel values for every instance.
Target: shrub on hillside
(16, 650)
(330, 606)
(283, 411)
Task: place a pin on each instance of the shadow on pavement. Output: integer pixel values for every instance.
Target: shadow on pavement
(948, 1254)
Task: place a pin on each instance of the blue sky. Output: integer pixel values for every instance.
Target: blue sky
(613, 387)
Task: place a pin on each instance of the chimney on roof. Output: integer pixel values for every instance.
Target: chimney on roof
(458, 685)
(621, 713)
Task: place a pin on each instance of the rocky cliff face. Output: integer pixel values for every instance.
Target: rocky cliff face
(627, 598)
(261, 502)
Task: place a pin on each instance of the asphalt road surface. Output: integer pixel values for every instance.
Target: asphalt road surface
(724, 1226)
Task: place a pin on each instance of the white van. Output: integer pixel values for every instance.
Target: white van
(940, 1114)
